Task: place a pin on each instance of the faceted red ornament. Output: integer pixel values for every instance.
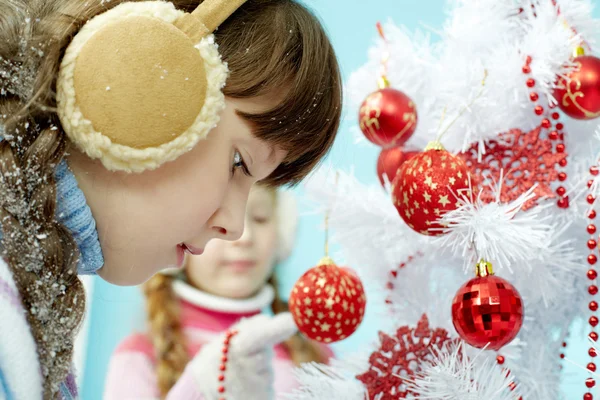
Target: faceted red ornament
(388, 117)
(579, 95)
(426, 187)
(328, 302)
(399, 357)
(487, 309)
(390, 160)
(525, 159)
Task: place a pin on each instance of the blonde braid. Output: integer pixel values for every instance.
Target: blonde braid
(165, 331)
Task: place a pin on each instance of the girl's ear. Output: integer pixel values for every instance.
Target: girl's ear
(287, 221)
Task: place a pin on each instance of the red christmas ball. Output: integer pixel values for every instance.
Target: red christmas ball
(487, 310)
(390, 160)
(328, 302)
(388, 117)
(579, 94)
(426, 186)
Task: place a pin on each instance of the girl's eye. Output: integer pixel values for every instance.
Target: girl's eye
(238, 162)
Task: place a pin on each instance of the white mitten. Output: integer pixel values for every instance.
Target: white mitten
(248, 359)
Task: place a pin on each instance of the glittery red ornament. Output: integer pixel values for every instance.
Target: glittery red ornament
(390, 160)
(487, 309)
(579, 94)
(328, 302)
(426, 187)
(521, 159)
(388, 117)
(399, 357)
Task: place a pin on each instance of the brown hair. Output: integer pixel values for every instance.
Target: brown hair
(268, 44)
(164, 320)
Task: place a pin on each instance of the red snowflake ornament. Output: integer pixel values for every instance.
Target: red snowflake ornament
(524, 158)
(399, 358)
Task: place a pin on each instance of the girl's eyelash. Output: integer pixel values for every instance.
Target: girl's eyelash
(238, 162)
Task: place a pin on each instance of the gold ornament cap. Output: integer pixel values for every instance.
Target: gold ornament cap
(434, 145)
(483, 268)
(579, 51)
(326, 261)
(383, 82)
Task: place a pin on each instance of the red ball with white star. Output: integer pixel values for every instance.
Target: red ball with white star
(328, 302)
(427, 186)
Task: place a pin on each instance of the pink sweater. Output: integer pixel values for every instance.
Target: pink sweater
(131, 374)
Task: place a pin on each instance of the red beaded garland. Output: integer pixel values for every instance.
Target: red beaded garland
(593, 306)
(530, 82)
(591, 366)
(539, 110)
(224, 359)
(593, 290)
(592, 352)
(500, 359)
(564, 202)
(545, 122)
(560, 148)
(593, 336)
(533, 96)
(590, 382)
(592, 274)
(588, 396)
(591, 229)
(591, 244)
(592, 260)
(553, 135)
(562, 176)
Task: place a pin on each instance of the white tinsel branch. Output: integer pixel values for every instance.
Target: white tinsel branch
(496, 231)
(364, 222)
(452, 375)
(319, 382)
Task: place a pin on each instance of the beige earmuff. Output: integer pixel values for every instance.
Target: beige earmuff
(140, 84)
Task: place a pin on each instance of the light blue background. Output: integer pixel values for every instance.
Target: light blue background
(116, 312)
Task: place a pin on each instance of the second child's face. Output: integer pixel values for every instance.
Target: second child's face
(239, 269)
(147, 221)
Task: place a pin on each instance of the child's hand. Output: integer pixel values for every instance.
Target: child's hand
(248, 367)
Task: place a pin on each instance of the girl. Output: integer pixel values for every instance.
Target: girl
(231, 280)
(103, 105)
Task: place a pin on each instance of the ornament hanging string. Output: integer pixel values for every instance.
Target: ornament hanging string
(464, 109)
(383, 79)
(580, 50)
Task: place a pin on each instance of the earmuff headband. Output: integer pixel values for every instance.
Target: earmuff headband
(140, 84)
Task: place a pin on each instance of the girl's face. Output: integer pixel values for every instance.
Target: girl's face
(147, 222)
(239, 269)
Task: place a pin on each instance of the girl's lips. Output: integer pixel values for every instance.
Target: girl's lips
(195, 251)
(180, 255)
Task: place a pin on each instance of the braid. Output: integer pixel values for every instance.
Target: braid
(41, 253)
(300, 349)
(165, 330)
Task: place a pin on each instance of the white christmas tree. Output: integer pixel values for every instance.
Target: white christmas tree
(486, 91)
